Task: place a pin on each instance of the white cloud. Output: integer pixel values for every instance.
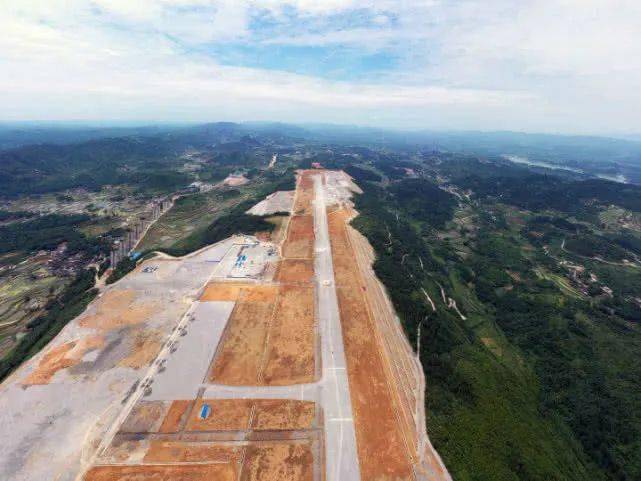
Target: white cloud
(553, 65)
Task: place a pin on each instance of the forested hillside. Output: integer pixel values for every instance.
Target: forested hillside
(536, 376)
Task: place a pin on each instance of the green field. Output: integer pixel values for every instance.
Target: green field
(24, 290)
(188, 224)
(189, 216)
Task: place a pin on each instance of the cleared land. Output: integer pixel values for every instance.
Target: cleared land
(225, 415)
(283, 414)
(270, 337)
(240, 359)
(185, 461)
(223, 291)
(295, 271)
(381, 445)
(245, 438)
(62, 357)
(300, 237)
(176, 417)
(118, 308)
(304, 194)
(402, 368)
(185, 472)
(279, 462)
(300, 234)
(280, 201)
(253, 414)
(82, 381)
(262, 411)
(145, 417)
(290, 353)
(186, 452)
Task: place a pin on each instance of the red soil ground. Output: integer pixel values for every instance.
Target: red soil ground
(380, 442)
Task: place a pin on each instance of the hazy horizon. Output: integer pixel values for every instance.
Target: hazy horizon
(537, 67)
(132, 124)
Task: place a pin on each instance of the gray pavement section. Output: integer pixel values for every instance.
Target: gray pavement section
(52, 426)
(332, 390)
(341, 458)
(185, 369)
(298, 392)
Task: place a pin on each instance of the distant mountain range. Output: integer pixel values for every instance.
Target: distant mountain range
(615, 158)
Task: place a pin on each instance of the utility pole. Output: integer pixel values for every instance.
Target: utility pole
(417, 418)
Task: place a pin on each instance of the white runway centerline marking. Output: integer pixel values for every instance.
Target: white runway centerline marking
(341, 459)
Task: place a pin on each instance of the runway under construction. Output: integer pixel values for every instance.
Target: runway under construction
(286, 362)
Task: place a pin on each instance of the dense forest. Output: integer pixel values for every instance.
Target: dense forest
(35, 169)
(150, 162)
(423, 199)
(539, 192)
(360, 174)
(47, 232)
(533, 384)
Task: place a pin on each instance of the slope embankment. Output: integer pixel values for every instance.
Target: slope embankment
(387, 382)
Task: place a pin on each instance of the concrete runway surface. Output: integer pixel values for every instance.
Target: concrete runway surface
(340, 439)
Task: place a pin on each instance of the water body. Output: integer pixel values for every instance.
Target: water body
(616, 178)
(537, 163)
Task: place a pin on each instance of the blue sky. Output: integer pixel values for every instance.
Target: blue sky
(567, 66)
(331, 63)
